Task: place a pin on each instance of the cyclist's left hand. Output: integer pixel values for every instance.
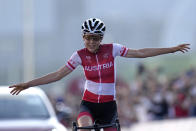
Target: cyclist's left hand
(182, 47)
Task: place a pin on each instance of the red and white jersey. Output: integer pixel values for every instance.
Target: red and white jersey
(99, 69)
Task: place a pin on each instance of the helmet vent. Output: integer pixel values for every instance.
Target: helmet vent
(103, 29)
(86, 30)
(95, 25)
(86, 26)
(100, 26)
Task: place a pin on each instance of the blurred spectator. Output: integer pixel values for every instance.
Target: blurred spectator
(126, 111)
(180, 106)
(73, 95)
(159, 107)
(192, 110)
(63, 112)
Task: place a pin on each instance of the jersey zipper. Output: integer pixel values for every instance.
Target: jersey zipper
(99, 73)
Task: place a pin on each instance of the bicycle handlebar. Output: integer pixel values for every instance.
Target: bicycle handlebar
(97, 126)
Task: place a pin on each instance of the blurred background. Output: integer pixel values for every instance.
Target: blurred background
(39, 36)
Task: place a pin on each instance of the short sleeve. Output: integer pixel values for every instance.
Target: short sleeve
(119, 50)
(73, 61)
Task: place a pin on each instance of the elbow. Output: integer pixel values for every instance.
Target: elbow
(141, 55)
(61, 74)
(144, 56)
(58, 77)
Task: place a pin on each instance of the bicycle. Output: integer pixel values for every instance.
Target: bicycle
(97, 127)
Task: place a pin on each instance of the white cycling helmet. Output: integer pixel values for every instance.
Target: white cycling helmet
(94, 26)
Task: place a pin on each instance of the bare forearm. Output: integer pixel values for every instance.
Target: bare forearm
(52, 77)
(149, 52)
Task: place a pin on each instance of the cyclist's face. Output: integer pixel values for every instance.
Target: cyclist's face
(92, 42)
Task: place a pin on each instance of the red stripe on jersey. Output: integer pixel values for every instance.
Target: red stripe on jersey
(71, 65)
(106, 98)
(68, 67)
(123, 51)
(91, 97)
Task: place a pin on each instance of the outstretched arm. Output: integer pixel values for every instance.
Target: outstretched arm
(52, 77)
(149, 52)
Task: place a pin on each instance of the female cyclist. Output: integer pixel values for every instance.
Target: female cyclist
(99, 101)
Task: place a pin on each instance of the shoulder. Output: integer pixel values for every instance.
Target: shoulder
(81, 50)
(107, 45)
(116, 44)
(113, 46)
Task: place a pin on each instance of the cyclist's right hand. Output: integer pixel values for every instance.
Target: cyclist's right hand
(18, 88)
